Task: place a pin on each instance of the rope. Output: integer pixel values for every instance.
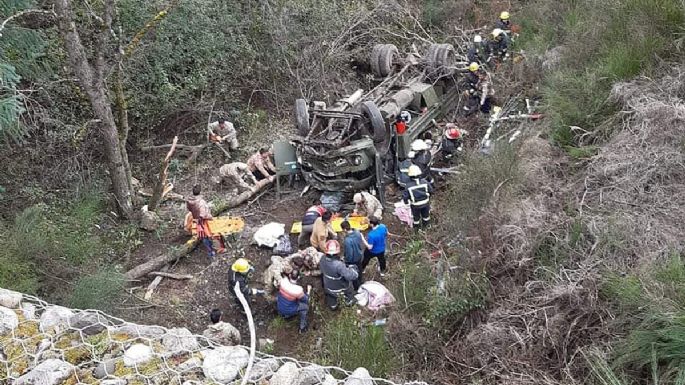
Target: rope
(253, 334)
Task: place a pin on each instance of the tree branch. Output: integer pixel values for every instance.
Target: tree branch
(22, 13)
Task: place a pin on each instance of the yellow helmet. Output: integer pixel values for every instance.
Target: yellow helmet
(241, 265)
(504, 15)
(414, 170)
(473, 67)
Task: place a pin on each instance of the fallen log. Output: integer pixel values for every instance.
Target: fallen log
(171, 275)
(154, 284)
(156, 263)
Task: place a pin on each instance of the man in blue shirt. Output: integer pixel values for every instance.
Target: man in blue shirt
(353, 245)
(376, 240)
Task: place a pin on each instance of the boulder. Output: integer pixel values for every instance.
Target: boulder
(329, 380)
(55, 317)
(360, 376)
(10, 299)
(8, 320)
(104, 369)
(224, 363)
(286, 375)
(223, 333)
(90, 323)
(29, 310)
(114, 381)
(149, 220)
(137, 354)
(49, 372)
(190, 364)
(144, 331)
(263, 370)
(179, 339)
(310, 375)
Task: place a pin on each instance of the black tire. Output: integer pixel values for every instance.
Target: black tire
(371, 111)
(439, 60)
(388, 57)
(302, 117)
(374, 59)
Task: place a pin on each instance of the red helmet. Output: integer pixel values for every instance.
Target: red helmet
(332, 247)
(452, 133)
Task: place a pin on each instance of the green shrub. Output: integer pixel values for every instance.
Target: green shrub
(350, 345)
(671, 275)
(464, 293)
(472, 190)
(98, 291)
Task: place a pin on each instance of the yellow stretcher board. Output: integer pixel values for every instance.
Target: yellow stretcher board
(222, 225)
(359, 223)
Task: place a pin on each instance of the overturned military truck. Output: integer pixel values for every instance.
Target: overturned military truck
(353, 145)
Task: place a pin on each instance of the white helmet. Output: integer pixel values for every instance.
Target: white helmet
(358, 198)
(418, 145)
(406, 116)
(414, 170)
(477, 39)
(411, 154)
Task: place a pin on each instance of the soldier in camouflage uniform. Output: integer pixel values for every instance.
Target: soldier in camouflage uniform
(239, 174)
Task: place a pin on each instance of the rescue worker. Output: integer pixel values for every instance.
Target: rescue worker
(367, 205)
(401, 122)
(221, 332)
(422, 158)
(402, 177)
(498, 44)
(240, 273)
(337, 277)
(260, 165)
(452, 142)
(308, 220)
(473, 86)
(477, 52)
(503, 22)
(202, 214)
(376, 242)
(292, 300)
(321, 231)
(223, 132)
(238, 172)
(353, 245)
(417, 195)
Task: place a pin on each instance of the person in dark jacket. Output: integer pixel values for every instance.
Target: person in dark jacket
(503, 22)
(337, 277)
(308, 220)
(240, 271)
(402, 177)
(417, 195)
(353, 247)
(292, 300)
(422, 158)
(498, 44)
(477, 52)
(452, 142)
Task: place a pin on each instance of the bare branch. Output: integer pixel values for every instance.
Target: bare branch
(22, 13)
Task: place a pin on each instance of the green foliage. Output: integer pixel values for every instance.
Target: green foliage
(463, 293)
(416, 284)
(350, 345)
(671, 276)
(656, 345)
(11, 105)
(624, 290)
(99, 291)
(475, 186)
(605, 42)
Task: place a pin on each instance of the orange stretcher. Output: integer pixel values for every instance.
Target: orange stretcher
(357, 222)
(217, 226)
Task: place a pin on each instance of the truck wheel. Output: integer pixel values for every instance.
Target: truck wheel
(382, 58)
(439, 58)
(388, 56)
(372, 112)
(302, 117)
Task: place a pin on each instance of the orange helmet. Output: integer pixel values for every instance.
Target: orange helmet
(452, 133)
(332, 247)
